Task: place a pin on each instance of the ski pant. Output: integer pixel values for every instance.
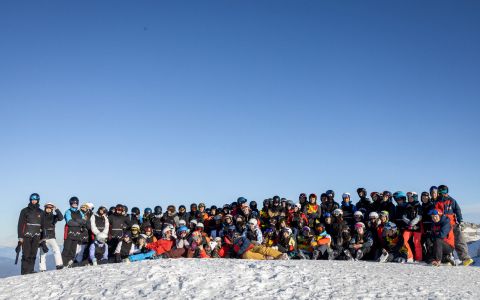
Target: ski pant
(320, 251)
(51, 244)
(360, 253)
(460, 244)
(72, 251)
(260, 253)
(417, 242)
(440, 249)
(29, 254)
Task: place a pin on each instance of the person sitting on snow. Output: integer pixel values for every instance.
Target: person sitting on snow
(246, 250)
(361, 242)
(394, 249)
(321, 242)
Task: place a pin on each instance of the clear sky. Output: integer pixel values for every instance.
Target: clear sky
(158, 102)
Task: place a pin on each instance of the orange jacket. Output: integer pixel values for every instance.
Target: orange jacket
(161, 246)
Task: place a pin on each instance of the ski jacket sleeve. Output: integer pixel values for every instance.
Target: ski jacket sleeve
(368, 241)
(93, 226)
(444, 228)
(119, 248)
(58, 216)
(22, 222)
(68, 215)
(456, 209)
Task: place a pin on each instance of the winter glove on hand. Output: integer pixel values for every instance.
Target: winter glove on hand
(44, 247)
(462, 226)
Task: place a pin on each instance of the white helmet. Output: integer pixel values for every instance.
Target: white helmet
(358, 214)
(337, 212)
(253, 222)
(373, 214)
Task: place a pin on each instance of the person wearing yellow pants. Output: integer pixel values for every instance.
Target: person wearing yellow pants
(246, 250)
(261, 253)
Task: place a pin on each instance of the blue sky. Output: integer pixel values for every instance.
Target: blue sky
(152, 102)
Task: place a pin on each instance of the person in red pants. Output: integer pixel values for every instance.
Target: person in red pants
(413, 229)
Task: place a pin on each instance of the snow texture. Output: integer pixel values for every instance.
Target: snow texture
(227, 279)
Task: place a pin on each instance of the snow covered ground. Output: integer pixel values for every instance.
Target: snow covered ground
(227, 279)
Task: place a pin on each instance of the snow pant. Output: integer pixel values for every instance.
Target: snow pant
(460, 244)
(112, 246)
(51, 244)
(417, 242)
(358, 254)
(142, 256)
(440, 249)
(260, 253)
(29, 254)
(320, 251)
(72, 251)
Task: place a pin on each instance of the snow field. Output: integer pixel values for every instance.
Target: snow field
(227, 279)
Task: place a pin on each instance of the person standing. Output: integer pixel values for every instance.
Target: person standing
(52, 216)
(30, 231)
(75, 234)
(447, 206)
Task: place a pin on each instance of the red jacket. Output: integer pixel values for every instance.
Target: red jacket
(161, 246)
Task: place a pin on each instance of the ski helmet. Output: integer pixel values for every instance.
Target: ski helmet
(34, 197)
(373, 215)
(253, 205)
(252, 222)
(147, 210)
(442, 189)
(73, 200)
(359, 225)
(358, 214)
(337, 212)
(125, 209)
(157, 210)
(330, 193)
(390, 226)
(135, 210)
(433, 188)
(241, 201)
(360, 190)
(346, 195)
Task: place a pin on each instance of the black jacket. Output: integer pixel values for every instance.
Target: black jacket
(50, 220)
(31, 222)
(118, 223)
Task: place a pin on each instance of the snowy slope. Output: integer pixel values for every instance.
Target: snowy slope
(227, 279)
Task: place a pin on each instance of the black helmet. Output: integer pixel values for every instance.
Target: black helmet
(241, 201)
(125, 209)
(442, 189)
(193, 205)
(233, 205)
(226, 206)
(35, 197)
(276, 199)
(157, 210)
(253, 205)
(147, 210)
(359, 190)
(213, 207)
(135, 210)
(73, 200)
(182, 206)
(330, 193)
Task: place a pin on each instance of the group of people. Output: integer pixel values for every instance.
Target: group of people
(387, 227)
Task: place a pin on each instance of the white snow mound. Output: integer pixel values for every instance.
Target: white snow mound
(226, 279)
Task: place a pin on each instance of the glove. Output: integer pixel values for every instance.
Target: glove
(44, 247)
(462, 226)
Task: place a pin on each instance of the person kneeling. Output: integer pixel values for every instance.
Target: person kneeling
(321, 243)
(98, 251)
(443, 238)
